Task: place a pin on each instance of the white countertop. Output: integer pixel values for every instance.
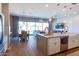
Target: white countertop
(57, 35)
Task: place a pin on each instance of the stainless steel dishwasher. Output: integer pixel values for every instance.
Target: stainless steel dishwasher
(64, 43)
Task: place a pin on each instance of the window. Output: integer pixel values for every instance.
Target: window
(39, 26)
(22, 26)
(45, 25)
(32, 26)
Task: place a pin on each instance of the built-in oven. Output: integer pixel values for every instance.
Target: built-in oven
(64, 43)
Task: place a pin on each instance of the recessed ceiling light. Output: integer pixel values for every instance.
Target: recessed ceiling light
(63, 9)
(58, 4)
(46, 5)
(50, 19)
(64, 21)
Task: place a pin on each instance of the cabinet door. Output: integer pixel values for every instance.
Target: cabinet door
(53, 45)
(73, 42)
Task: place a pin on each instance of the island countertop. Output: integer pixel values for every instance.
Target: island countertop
(52, 43)
(57, 35)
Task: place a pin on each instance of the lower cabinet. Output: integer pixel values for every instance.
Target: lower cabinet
(53, 45)
(73, 42)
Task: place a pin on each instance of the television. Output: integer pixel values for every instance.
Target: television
(59, 27)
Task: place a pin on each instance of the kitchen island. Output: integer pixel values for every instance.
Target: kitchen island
(54, 43)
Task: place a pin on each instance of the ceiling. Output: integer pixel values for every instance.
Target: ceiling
(45, 10)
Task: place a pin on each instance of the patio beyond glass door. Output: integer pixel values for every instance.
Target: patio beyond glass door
(32, 27)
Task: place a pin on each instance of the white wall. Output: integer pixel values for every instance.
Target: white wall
(72, 23)
(0, 7)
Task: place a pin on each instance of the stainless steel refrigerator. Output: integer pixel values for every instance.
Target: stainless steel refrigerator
(1, 34)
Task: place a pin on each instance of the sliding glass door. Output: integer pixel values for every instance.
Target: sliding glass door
(32, 27)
